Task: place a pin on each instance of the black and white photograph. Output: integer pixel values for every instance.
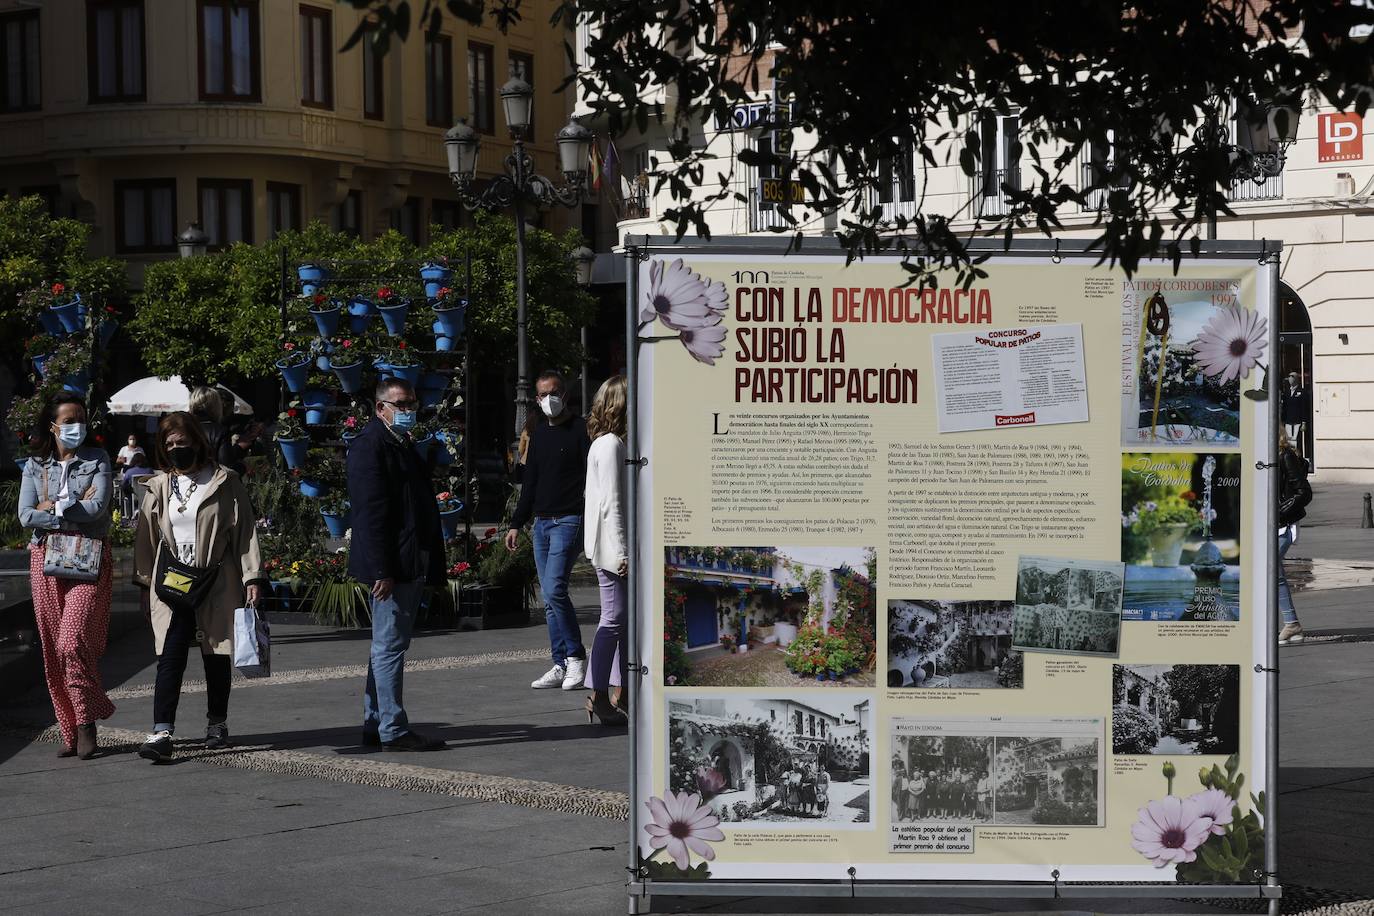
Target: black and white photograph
(957, 644)
(765, 760)
(1072, 607)
(942, 778)
(1175, 709)
(1048, 779)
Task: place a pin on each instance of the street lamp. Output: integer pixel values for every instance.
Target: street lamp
(520, 187)
(1265, 130)
(583, 258)
(192, 242)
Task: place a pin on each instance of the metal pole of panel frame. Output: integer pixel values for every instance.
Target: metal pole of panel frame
(1271, 641)
(633, 664)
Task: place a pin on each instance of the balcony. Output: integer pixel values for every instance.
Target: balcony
(763, 216)
(1269, 189)
(989, 198)
(1093, 173)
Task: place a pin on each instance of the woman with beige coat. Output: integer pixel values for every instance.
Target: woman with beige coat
(200, 512)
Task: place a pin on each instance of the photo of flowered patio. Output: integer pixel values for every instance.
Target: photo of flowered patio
(769, 616)
(774, 759)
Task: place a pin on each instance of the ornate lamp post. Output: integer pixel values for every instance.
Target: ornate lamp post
(522, 189)
(1260, 153)
(582, 258)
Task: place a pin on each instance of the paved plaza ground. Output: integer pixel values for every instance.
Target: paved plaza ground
(526, 813)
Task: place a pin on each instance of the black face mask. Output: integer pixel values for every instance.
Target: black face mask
(183, 457)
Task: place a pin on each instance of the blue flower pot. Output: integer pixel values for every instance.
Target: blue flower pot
(350, 377)
(410, 373)
(820, 675)
(294, 370)
(327, 320)
(76, 382)
(436, 277)
(106, 332)
(69, 315)
(314, 489)
(443, 344)
(360, 312)
(322, 349)
(316, 400)
(338, 525)
(394, 317)
(449, 321)
(450, 520)
(310, 276)
(348, 438)
(422, 445)
(293, 450)
(442, 458)
(51, 323)
(39, 362)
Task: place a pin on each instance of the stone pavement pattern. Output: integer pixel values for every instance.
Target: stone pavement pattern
(525, 814)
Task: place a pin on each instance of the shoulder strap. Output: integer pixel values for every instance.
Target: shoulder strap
(43, 469)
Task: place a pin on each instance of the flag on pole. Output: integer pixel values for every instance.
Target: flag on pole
(594, 167)
(611, 168)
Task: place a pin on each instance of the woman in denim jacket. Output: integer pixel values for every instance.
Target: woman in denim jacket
(66, 488)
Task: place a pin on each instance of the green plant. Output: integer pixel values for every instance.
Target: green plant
(40, 345)
(1133, 732)
(338, 602)
(514, 569)
(1011, 673)
(289, 423)
(12, 534)
(69, 357)
(1168, 511)
(336, 502)
(1237, 855)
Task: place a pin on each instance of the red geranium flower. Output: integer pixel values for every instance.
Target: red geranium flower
(345, 344)
(57, 289)
(290, 411)
(401, 345)
(288, 346)
(320, 298)
(384, 293)
(110, 309)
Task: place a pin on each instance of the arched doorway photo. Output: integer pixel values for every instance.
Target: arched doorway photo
(1295, 372)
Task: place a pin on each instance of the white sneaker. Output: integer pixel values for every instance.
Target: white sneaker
(552, 678)
(577, 674)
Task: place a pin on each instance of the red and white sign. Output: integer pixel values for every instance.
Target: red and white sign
(1340, 137)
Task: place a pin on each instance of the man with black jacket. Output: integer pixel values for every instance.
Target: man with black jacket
(551, 493)
(397, 549)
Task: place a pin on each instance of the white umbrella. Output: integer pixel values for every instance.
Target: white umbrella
(153, 397)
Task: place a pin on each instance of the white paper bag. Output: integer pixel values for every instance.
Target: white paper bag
(252, 643)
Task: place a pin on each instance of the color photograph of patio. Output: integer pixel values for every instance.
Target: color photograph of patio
(769, 616)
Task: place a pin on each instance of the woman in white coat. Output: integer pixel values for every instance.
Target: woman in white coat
(604, 543)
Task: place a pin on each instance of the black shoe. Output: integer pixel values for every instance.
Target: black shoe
(158, 748)
(371, 738)
(216, 736)
(412, 741)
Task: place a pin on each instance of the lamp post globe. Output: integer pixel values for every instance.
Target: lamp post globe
(461, 143)
(517, 100)
(583, 258)
(574, 141)
(192, 242)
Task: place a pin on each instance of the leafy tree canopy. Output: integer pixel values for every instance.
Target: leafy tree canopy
(875, 81)
(217, 317)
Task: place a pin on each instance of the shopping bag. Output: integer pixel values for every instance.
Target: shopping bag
(252, 643)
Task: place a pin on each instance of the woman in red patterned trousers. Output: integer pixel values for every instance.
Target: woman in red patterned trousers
(66, 491)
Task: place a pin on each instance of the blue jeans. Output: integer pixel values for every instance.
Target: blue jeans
(1286, 538)
(556, 544)
(393, 620)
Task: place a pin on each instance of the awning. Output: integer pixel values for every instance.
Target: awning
(153, 397)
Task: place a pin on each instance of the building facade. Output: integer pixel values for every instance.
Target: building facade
(139, 117)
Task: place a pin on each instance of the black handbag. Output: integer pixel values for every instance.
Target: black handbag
(181, 586)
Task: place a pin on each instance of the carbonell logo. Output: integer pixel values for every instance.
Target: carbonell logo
(1020, 419)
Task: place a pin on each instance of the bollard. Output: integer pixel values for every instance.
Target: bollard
(1367, 520)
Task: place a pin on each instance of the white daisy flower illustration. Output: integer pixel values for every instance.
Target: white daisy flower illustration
(705, 344)
(681, 824)
(1231, 342)
(681, 298)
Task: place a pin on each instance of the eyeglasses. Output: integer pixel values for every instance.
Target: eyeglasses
(403, 405)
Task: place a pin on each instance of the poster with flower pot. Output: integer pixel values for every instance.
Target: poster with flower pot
(1192, 347)
(1181, 535)
(1057, 610)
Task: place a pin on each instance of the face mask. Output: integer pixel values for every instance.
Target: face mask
(403, 420)
(183, 457)
(71, 435)
(551, 405)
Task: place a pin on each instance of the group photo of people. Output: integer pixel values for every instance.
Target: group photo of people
(946, 778)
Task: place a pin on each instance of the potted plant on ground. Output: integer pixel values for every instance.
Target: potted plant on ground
(450, 513)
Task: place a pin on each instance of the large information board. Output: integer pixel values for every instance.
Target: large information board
(941, 587)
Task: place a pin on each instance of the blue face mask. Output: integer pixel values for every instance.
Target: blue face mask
(404, 420)
(71, 435)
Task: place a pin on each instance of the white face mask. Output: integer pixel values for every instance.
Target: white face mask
(552, 405)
